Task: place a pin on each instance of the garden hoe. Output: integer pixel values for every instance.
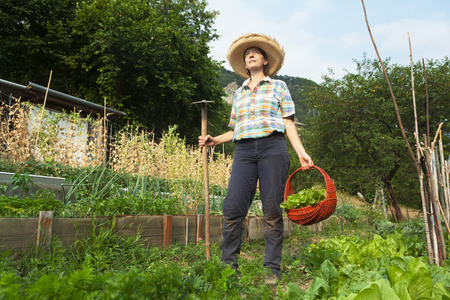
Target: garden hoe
(205, 174)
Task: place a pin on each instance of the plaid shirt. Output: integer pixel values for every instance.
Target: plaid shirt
(260, 112)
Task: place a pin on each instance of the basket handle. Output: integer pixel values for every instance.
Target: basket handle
(331, 190)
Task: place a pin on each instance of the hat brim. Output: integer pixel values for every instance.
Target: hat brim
(275, 53)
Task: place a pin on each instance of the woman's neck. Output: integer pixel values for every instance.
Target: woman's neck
(255, 78)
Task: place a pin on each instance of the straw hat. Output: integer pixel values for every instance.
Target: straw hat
(275, 53)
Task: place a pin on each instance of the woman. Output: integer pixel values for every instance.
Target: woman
(262, 113)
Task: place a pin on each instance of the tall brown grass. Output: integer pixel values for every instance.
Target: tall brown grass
(28, 132)
(136, 151)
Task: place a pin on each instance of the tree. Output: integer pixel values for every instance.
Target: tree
(149, 59)
(356, 134)
(298, 87)
(35, 39)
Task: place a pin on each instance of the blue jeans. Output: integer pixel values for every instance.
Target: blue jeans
(267, 160)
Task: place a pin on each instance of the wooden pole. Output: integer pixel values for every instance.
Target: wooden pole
(167, 231)
(43, 108)
(105, 134)
(205, 175)
(206, 181)
(45, 225)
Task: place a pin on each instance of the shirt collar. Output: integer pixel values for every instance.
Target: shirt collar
(267, 78)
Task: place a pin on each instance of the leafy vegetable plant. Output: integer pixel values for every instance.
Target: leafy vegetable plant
(304, 198)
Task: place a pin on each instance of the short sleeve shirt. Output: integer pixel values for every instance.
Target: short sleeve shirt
(260, 112)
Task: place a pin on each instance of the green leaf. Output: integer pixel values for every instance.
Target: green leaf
(420, 285)
(331, 276)
(353, 254)
(317, 290)
(394, 274)
(379, 289)
(401, 290)
(293, 291)
(440, 292)
(415, 265)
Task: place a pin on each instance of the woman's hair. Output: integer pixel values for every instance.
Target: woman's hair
(263, 54)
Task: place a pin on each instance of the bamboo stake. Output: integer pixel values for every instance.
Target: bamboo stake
(439, 238)
(435, 137)
(43, 108)
(425, 200)
(431, 209)
(399, 119)
(443, 176)
(425, 214)
(426, 204)
(105, 135)
(416, 134)
(447, 185)
(426, 93)
(436, 191)
(416, 126)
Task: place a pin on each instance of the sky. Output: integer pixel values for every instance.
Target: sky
(323, 35)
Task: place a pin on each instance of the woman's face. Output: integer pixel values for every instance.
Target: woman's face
(254, 59)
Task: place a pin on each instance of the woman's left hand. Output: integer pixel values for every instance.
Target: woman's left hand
(306, 162)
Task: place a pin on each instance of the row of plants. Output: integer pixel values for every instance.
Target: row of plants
(315, 266)
(380, 268)
(99, 191)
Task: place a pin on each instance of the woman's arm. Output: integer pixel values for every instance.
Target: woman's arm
(292, 134)
(213, 141)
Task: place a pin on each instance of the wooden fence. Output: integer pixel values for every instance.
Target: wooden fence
(18, 234)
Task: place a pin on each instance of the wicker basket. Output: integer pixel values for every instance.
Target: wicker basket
(317, 212)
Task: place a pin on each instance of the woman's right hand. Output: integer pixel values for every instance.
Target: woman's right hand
(206, 141)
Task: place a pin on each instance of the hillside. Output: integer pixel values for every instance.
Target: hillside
(230, 82)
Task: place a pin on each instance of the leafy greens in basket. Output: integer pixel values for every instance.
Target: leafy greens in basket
(304, 198)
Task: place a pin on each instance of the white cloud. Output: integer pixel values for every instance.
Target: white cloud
(351, 40)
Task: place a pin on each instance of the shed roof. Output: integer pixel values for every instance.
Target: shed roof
(35, 93)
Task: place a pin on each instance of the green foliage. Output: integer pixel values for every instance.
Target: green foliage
(104, 192)
(43, 168)
(227, 77)
(298, 88)
(355, 134)
(304, 198)
(348, 211)
(22, 181)
(9, 285)
(30, 206)
(153, 205)
(374, 268)
(97, 182)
